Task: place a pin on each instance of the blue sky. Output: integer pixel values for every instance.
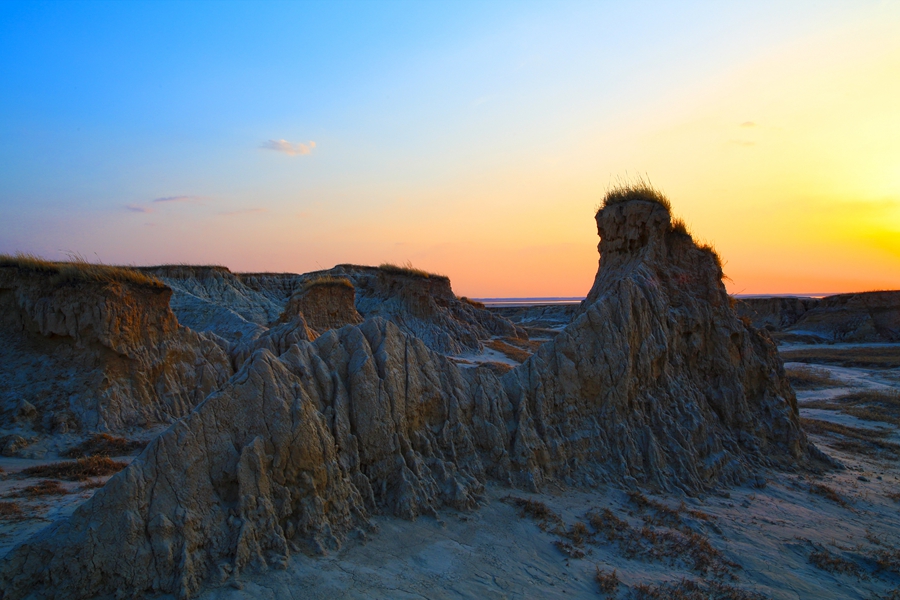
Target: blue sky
(470, 138)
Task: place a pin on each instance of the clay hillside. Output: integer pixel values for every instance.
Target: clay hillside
(346, 404)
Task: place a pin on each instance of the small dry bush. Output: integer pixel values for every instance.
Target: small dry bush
(871, 405)
(886, 357)
(471, 302)
(92, 484)
(47, 487)
(608, 581)
(888, 560)
(326, 281)
(10, 510)
(78, 270)
(628, 191)
(688, 589)
(825, 560)
(408, 270)
(103, 444)
(809, 378)
(508, 350)
(895, 496)
(524, 344)
(497, 367)
(79, 470)
(535, 510)
(662, 514)
(828, 493)
(869, 442)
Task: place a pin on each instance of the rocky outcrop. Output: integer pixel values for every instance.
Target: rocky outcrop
(422, 305)
(325, 302)
(215, 300)
(860, 318)
(655, 381)
(97, 355)
(539, 316)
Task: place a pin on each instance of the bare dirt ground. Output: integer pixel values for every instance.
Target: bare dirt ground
(781, 535)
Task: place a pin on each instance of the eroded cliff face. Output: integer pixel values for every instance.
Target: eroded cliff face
(98, 356)
(325, 304)
(656, 382)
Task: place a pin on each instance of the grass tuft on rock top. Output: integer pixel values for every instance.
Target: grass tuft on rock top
(77, 270)
(638, 190)
(408, 270)
(327, 281)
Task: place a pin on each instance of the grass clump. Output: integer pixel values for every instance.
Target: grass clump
(810, 378)
(820, 489)
(103, 444)
(869, 442)
(607, 581)
(78, 270)
(871, 405)
(78, 470)
(883, 357)
(832, 563)
(640, 189)
(512, 352)
(688, 589)
(47, 487)
(327, 280)
(408, 270)
(10, 510)
(534, 509)
(470, 302)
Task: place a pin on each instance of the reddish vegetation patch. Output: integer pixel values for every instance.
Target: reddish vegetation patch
(79, 470)
(10, 510)
(516, 354)
(47, 487)
(103, 444)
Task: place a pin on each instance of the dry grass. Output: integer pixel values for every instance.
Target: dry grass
(497, 367)
(103, 444)
(607, 581)
(628, 191)
(47, 487)
(79, 470)
(810, 378)
(535, 510)
(408, 270)
(895, 496)
(826, 561)
(885, 357)
(78, 270)
(868, 442)
(327, 280)
(10, 510)
(688, 589)
(512, 352)
(471, 302)
(871, 405)
(92, 484)
(820, 489)
(888, 560)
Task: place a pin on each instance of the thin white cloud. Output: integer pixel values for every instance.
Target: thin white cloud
(179, 199)
(245, 211)
(138, 208)
(287, 147)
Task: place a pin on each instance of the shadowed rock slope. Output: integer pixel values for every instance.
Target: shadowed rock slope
(97, 354)
(655, 381)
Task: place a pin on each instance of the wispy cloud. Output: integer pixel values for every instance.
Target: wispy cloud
(179, 199)
(245, 211)
(748, 124)
(287, 147)
(743, 143)
(138, 208)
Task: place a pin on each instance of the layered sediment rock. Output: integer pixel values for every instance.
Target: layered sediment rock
(655, 381)
(860, 318)
(326, 303)
(98, 355)
(423, 305)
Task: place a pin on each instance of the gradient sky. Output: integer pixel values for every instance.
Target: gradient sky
(472, 139)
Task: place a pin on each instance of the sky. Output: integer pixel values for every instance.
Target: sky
(472, 139)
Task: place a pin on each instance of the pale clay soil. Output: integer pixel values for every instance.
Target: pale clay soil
(493, 552)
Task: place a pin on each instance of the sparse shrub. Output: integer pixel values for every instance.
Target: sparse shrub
(535, 509)
(884, 357)
(871, 405)
(103, 444)
(92, 484)
(825, 560)
(888, 560)
(809, 378)
(895, 496)
(10, 510)
(79, 470)
(607, 581)
(47, 487)
(497, 367)
(827, 492)
(854, 439)
(510, 351)
(688, 589)
(471, 302)
(408, 270)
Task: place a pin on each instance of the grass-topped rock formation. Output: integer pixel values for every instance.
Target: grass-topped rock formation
(96, 348)
(655, 382)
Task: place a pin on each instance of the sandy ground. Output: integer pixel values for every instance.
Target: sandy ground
(764, 536)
